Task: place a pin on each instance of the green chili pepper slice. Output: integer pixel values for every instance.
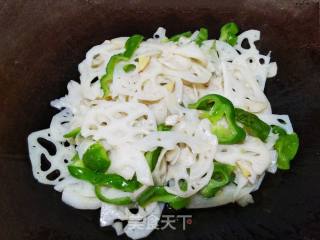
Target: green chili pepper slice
(129, 67)
(163, 127)
(96, 158)
(108, 180)
(115, 201)
(73, 133)
(286, 146)
(278, 130)
(253, 125)
(222, 175)
(152, 156)
(202, 36)
(228, 33)
(175, 38)
(75, 158)
(159, 194)
(183, 185)
(132, 44)
(216, 107)
(107, 78)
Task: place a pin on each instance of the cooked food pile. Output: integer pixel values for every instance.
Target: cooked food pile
(179, 120)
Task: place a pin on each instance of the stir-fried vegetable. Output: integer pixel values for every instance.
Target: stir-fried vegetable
(278, 130)
(96, 158)
(228, 33)
(129, 67)
(131, 46)
(222, 176)
(218, 108)
(76, 158)
(73, 133)
(152, 156)
(286, 146)
(163, 127)
(183, 185)
(159, 194)
(115, 201)
(175, 38)
(140, 85)
(108, 180)
(202, 36)
(107, 78)
(253, 125)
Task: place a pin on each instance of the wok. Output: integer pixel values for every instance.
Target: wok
(41, 43)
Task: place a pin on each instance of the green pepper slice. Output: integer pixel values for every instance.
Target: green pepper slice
(253, 125)
(96, 158)
(152, 156)
(159, 194)
(132, 44)
(116, 201)
(228, 33)
(163, 127)
(175, 38)
(129, 67)
(102, 179)
(278, 130)
(222, 176)
(287, 146)
(73, 133)
(202, 36)
(215, 108)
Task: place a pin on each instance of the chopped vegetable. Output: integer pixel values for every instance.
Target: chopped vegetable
(183, 185)
(222, 176)
(216, 108)
(75, 158)
(73, 133)
(278, 130)
(202, 36)
(113, 127)
(228, 33)
(286, 146)
(175, 38)
(253, 125)
(159, 194)
(115, 201)
(152, 156)
(129, 67)
(107, 78)
(131, 46)
(163, 127)
(102, 179)
(96, 158)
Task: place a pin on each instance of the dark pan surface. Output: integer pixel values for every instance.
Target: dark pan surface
(41, 43)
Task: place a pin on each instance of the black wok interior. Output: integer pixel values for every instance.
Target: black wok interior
(41, 43)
